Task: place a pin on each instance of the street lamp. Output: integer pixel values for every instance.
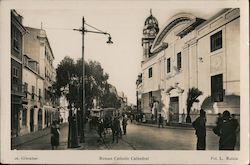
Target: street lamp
(83, 30)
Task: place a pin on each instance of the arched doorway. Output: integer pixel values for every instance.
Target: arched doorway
(40, 119)
(24, 117)
(174, 109)
(46, 118)
(31, 119)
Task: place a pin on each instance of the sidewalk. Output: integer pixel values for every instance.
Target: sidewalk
(173, 125)
(94, 142)
(20, 140)
(91, 140)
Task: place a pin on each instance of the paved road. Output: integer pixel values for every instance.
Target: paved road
(139, 137)
(153, 138)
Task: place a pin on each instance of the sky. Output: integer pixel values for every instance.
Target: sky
(122, 59)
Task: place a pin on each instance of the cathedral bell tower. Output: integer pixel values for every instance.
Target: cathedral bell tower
(150, 31)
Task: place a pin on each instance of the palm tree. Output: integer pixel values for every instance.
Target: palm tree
(193, 94)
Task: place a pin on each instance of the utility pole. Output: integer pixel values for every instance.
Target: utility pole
(82, 138)
(83, 112)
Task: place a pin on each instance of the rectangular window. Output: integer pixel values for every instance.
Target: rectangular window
(16, 38)
(26, 89)
(150, 72)
(179, 61)
(217, 91)
(24, 117)
(40, 97)
(15, 73)
(216, 41)
(33, 93)
(168, 65)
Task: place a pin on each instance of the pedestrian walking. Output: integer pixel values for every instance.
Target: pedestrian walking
(100, 128)
(131, 118)
(120, 126)
(115, 129)
(227, 132)
(55, 131)
(160, 121)
(200, 130)
(124, 124)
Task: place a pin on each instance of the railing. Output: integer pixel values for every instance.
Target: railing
(17, 89)
(181, 118)
(211, 118)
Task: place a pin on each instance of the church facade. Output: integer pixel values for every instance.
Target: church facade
(190, 52)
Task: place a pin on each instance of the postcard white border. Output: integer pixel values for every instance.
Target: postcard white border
(92, 157)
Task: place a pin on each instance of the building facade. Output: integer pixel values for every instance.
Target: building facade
(33, 85)
(139, 94)
(64, 110)
(17, 32)
(191, 52)
(123, 100)
(39, 75)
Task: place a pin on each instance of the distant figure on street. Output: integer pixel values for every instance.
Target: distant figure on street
(124, 124)
(120, 128)
(131, 118)
(200, 130)
(55, 130)
(228, 132)
(100, 128)
(160, 121)
(115, 129)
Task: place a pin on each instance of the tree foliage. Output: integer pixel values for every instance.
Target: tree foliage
(193, 94)
(110, 100)
(69, 76)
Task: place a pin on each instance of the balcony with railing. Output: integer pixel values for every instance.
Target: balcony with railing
(17, 89)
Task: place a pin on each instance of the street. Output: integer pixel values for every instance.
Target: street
(142, 137)
(43, 142)
(171, 138)
(138, 137)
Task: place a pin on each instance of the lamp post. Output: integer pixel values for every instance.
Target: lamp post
(83, 31)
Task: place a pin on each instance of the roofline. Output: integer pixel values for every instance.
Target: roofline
(213, 17)
(15, 14)
(43, 37)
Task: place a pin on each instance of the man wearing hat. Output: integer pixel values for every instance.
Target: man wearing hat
(200, 130)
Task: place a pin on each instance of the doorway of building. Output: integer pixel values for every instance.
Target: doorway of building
(40, 120)
(14, 120)
(174, 109)
(31, 120)
(46, 118)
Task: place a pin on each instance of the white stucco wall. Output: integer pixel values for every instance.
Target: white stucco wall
(198, 64)
(32, 79)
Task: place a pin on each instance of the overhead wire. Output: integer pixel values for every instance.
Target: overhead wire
(57, 28)
(94, 27)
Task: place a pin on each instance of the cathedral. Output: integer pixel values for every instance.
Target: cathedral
(190, 57)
